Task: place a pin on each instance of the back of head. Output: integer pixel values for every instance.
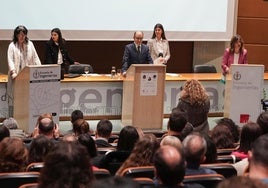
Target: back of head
(222, 137)
(115, 182)
(177, 120)
(104, 128)
(10, 123)
(13, 155)
(195, 148)
(170, 165)
(211, 154)
(76, 114)
(262, 120)
(260, 151)
(80, 126)
(234, 129)
(68, 165)
(87, 141)
(46, 126)
(249, 133)
(128, 136)
(4, 132)
(171, 141)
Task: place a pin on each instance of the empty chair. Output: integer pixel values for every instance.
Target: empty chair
(16, 179)
(207, 180)
(205, 69)
(138, 172)
(35, 167)
(79, 69)
(225, 169)
(101, 173)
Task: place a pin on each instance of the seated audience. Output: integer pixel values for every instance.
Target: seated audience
(75, 115)
(262, 120)
(47, 127)
(258, 159)
(195, 147)
(4, 132)
(171, 141)
(234, 129)
(142, 153)
(80, 126)
(103, 133)
(115, 182)
(249, 133)
(68, 165)
(13, 155)
(211, 154)
(241, 182)
(39, 148)
(222, 137)
(128, 136)
(13, 127)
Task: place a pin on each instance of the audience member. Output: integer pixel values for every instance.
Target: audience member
(13, 155)
(222, 137)
(235, 54)
(249, 133)
(262, 120)
(142, 153)
(234, 129)
(195, 148)
(39, 148)
(103, 133)
(258, 159)
(21, 52)
(13, 127)
(57, 53)
(80, 126)
(211, 153)
(68, 165)
(171, 141)
(169, 165)
(178, 125)
(158, 45)
(136, 53)
(241, 182)
(4, 132)
(115, 182)
(75, 115)
(195, 102)
(128, 136)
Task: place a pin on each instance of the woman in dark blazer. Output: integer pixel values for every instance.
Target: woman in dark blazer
(56, 51)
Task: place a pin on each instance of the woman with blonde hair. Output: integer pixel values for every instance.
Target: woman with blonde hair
(195, 102)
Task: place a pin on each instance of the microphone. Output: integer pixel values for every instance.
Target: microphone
(160, 54)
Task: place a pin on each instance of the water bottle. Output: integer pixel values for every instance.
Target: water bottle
(113, 72)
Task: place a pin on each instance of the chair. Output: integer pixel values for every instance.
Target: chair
(145, 182)
(79, 69)
(205, 69)
(114, 159)
(35, 167)
(104, 150)
(226, 151)
(138, 172)
(227, 159)
(207, 180)
(16, 179)
(101, 173)
(29, 185)
(225, 169)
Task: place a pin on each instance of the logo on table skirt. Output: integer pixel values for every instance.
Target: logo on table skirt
(237, 75)
(36, 74)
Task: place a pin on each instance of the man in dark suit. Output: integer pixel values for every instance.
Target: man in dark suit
(136, 53)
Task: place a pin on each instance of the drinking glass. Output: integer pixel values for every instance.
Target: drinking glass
(119, 74)
(86, 70)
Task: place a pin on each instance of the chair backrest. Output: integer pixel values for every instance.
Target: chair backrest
(205, 69)
(225, 169)
(145, 182)
(114, 159)
(35, 167)
(138, 172)
(101, 173)
(29, 185)
(207, 180)
(16, 179)
(104, 150)
(79, 69)
(227, 159)
(226, 151)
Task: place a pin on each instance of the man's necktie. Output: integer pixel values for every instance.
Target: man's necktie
(139, 50)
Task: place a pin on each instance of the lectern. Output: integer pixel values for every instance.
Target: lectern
(143, 96)
(243, 93)
(36, 91)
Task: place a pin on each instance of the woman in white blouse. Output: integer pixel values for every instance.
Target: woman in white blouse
(158, 45)
(21, 52)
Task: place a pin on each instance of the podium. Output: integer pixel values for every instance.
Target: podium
(36, 91)
(243, 93)
(143, 96)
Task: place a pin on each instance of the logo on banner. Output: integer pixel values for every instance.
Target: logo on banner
(36, 74)
(237, 75)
